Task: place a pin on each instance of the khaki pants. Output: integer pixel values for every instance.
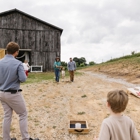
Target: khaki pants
(14, 102)
(71, 76)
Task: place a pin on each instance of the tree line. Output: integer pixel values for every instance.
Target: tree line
(80, 62)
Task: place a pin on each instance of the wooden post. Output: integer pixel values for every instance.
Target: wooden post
(2, 53)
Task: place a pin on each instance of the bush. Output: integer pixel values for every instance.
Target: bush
(91, 63)
(82, 64)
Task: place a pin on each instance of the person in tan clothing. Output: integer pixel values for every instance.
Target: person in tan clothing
(117, 126)
(71, 66)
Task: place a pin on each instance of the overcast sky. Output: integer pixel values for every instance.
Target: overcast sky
(95, 29)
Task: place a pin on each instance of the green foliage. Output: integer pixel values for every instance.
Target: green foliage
(84, 96)
(81, 113)
(133, 52)
(91, 63)
(54, 127)
(64, 64)
(76, 59)
(82, 64)
(77, 64)
(80, 61)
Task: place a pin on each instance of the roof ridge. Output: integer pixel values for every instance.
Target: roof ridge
(15, 9)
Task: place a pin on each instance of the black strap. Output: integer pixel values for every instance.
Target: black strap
(79, 130)
(12, 91)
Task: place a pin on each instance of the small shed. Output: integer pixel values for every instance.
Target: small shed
(39, 41)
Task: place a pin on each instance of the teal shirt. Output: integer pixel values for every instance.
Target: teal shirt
(56, 64)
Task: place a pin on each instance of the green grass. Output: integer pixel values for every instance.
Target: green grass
(84, 96)
(36, 77)
(80, 113)
(125, 57)
(126, 60)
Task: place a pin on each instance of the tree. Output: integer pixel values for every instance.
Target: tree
(63, 63)
(76, 59)
(133, 52)
(82, 60)
(79, 61)
(77, 64)
(91, 63)
(82, 64)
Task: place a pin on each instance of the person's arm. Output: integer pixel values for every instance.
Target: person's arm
(54, 65)
(135, 135)
(59, 66)
(104, 132)
(28, 66)
(21, 73)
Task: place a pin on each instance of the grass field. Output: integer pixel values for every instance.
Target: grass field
(36, 77)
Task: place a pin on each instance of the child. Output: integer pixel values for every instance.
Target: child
(26, 67)
(117, 126)
(63, 72)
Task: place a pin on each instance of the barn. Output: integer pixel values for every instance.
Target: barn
(39, 41)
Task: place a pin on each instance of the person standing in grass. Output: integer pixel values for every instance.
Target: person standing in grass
(117, 126)
(71, 66)
(26, 67)
(57, 68)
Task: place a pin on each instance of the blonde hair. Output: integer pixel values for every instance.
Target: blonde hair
(117, 100)
(63, 68)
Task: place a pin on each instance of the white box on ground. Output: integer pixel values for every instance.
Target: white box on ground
(36, 68)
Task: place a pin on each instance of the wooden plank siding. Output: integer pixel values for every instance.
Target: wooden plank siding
(43, 39)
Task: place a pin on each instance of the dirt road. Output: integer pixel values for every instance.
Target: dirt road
(51, 106)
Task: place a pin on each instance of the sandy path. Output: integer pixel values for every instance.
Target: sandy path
(51, 106)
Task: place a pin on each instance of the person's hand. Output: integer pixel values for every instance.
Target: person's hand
(57, 66)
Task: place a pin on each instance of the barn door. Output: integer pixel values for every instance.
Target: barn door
(2, 53)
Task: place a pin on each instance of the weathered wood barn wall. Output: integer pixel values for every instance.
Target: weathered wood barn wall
(41, 40)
